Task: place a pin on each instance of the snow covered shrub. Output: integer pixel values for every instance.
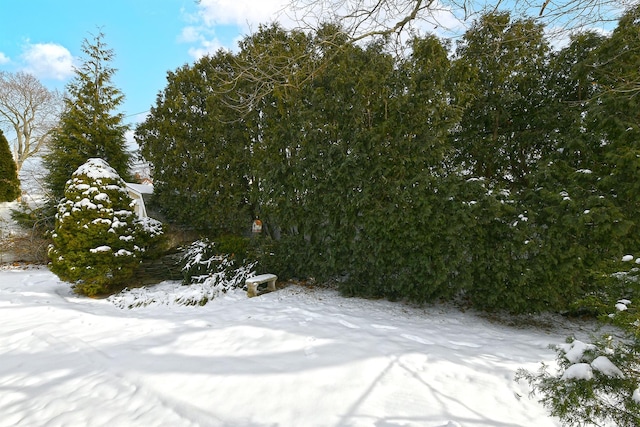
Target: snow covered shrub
(173, 293)
(209, 265)
(597, 383)
(95, 240)
(151, 237)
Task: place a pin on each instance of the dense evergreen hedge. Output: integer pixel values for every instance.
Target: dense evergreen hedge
(491, 172)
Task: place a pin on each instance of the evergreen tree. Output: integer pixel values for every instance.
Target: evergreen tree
(599, 168)
(498, 81)
(410, 231)
(500, 75)
(89, 128)
(573, 86)
(9, 182)
(576, 225)
(615, 112)
(199, 149)
(606, 390)
(351, 166)
(95, 240)
(284, 159)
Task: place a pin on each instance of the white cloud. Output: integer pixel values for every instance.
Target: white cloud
(4, 59)
(205, 40)
(207, 24)
(205, 29)
(48, 60)
(189, 34)
(244, 13)
(207, 47)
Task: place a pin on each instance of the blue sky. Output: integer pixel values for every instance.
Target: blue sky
(149, 38)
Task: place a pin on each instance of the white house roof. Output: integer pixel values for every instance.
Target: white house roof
(140, 188)
(136, 191)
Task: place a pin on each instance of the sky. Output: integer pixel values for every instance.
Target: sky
(149, 38)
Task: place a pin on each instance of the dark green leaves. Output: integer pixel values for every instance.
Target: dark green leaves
(89, 128)
(9, 182)
(497, 175)
(199, 149)
(95, 243)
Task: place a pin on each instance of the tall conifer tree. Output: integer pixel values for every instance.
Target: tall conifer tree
(199, 148)
(616, 111)
(9, 183)
(499, 76)
(89, 127)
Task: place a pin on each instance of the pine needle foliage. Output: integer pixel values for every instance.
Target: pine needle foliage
(598, 383)
(9, 182)
(503, 174)
(89, 127)
(95, 238)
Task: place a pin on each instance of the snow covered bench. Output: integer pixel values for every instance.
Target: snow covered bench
(253, 283)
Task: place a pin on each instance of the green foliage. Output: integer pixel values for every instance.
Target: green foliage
(599, 395)
(498, 77)
(279, 256)
(359, 192)
(599, 398)
(234, 246)
(151, 238)
(88, 127)
(9, 182)
(599, 383)
(506, 176)
(199, 150)
(613, 281)
(213, 265)
(410, 234)
(596, 167)
(614, 111)
(95, 243)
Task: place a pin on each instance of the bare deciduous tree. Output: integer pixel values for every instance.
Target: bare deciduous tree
(362, 20)
(29, 110)
(366, 18)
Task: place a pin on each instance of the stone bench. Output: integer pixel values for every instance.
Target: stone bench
(253, 283)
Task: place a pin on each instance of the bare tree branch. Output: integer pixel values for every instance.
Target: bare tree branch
(362, 20)
(365, 18)
(29, 110)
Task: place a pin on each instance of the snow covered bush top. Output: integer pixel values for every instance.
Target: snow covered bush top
(96, 169)
(94, 186)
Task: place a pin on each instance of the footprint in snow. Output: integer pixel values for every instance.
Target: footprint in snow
(309, 350)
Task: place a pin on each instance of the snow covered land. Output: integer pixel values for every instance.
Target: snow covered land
(299, 356)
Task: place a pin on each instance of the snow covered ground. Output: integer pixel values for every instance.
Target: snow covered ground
(295, 357)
